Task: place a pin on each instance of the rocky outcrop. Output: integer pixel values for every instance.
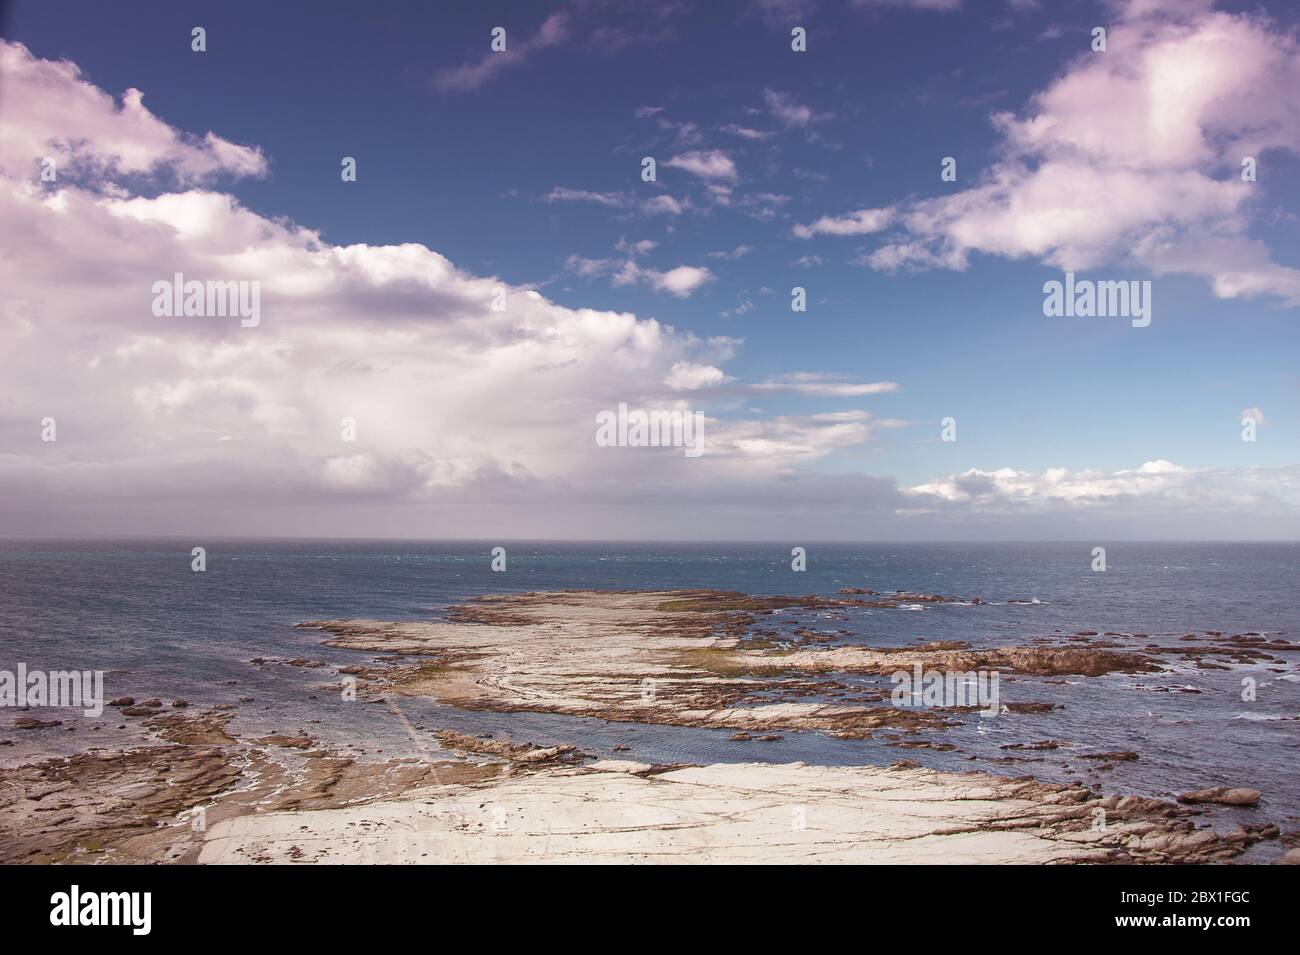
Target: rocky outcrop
(685, 658)
(1223, 796)
(62, 809)
(618, 811)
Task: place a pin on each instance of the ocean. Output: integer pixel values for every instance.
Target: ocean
(136, 610)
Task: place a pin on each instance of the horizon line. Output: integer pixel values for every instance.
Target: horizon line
(645, 540)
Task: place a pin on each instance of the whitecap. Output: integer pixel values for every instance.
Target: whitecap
(1263, 717)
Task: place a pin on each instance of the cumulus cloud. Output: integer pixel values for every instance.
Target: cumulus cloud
(1133, 155)
(468, 420)
(165, 417)
(50, 110)
(1158, 484)
(663, 205)
(680, 281)
(707, 164)
(686, 376)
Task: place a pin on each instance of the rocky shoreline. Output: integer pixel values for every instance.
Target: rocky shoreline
(692, 658)
(503, 802)
(699, 658)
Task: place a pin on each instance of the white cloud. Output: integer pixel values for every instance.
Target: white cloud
(763, 206)
(586, 268)
(1156, 485)
(1255, 413)
(681, 281)
(687, 376)
(662, 205)
(744, 308)
(862, 222)
(477, 73)
(639, 247)
(746, 132)
(613, 200)
(736, 253)
(824, 385)
(1137, 9)
(792, 438)
(1134, 155)
(92, 137)
(160, 418)
(469, 421)
(786, 111)
(707, 164)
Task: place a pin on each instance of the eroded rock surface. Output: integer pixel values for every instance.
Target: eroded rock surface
(694, 658)
(617, 811)
(677, 657)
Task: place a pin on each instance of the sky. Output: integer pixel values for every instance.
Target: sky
(500, 272)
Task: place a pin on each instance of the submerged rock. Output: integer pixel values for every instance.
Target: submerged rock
(1223, 796)
(31, 723)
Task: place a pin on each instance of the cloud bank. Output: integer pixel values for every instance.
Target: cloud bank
(1133, 154)
(386, 391)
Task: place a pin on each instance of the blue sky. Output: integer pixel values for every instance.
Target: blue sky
(860, 121)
